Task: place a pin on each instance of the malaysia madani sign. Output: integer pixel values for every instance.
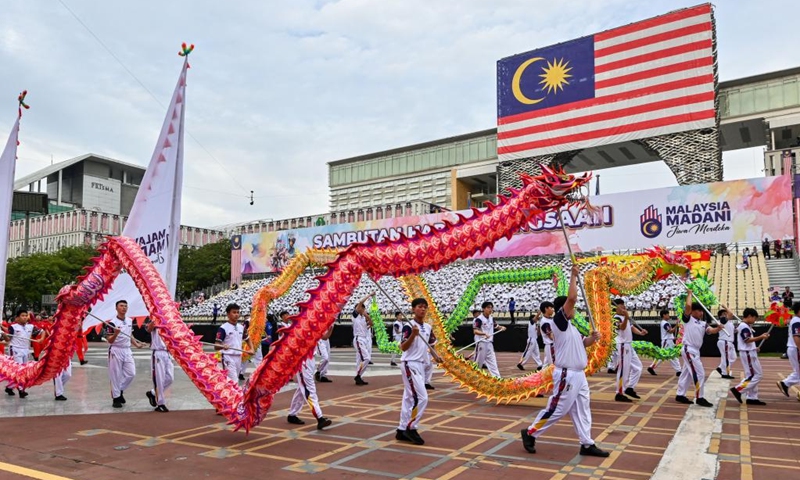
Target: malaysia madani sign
(722, 212)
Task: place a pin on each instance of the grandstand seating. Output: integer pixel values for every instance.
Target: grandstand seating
(740, 288)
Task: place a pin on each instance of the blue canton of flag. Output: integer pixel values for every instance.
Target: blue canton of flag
(545, 78)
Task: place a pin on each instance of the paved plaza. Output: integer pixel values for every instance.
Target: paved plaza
(84, 438)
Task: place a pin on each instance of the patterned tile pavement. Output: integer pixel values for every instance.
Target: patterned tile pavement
(465, 438)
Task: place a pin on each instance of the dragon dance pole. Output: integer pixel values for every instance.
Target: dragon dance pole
(580, 282)
(768, 331)
(702, 305)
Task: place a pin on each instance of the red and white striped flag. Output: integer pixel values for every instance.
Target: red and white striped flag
(644, 79)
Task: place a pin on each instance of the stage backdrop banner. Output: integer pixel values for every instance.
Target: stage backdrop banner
(723, 212)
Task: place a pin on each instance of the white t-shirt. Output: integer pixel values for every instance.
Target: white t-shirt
(418, 351)
(397, 330)
(533, 333)
(156, 342)
(21, 341)
(230, 336)
(546, 324)
(794, 330)
(125, 327)
(569, 345)
(486, 325)
(744, 332)
(360, 326)
(728, 331)
(694, 331)
(626, 335)
(665, 333)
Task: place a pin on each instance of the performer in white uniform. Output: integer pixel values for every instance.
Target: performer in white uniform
(416, 338)
(571, 391)
(229, 341)
(630, 366)
(121, 367)
(727, 352)
(162, 369)
(748, 350)
(792, 351)
(546, 328)
(324, 352)
(19, 346)
(484, 330)
(362, 340)
(397, 333)
(694, 329)
(667, 341)
(532, 346)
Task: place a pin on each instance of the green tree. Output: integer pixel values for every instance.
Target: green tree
(203, 267)
(28, 278)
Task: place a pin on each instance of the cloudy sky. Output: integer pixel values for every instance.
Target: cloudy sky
(277, 89)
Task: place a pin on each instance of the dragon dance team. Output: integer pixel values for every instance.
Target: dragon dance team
(564, 349)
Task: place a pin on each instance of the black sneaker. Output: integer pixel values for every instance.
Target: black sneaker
(325, 380)
(728, 377)
(678, 374)
(755, 402)
(651, 371)
(703, 402)
(294, 420)
(612, 371)
(414, 437)
(632, 393)
(428, 386)
(528, 441)
(593, 451)
(241, 376)
(370, 362)
(622, 398)
(161, 408)
(401, 435)
(316, 376)
(782, 386)
(736, 394)
(683, 399)
(116, 403)
(392, 364)
(11, 392)
(151, 398)
(323, 422)
(519, 365)
(84, 362)
(360, 381)
(61, 398)
(539, 368)
(23, 394)
(121, 398)
(719, 370)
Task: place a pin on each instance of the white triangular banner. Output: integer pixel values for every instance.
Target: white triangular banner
(155, 218)
(8, 163)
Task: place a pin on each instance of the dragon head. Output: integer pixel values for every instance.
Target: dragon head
(555, 189)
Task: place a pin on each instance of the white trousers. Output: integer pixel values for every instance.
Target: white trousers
(752, 374)
(692, 373)
(306, 392)
(62, 378)
(794, 359)
(121, 369)
(484, 355)
(324, 352)
(232, 363)
(570, 397)
(549, 354)
(613, 362)
(415, 397)
(258, 357)
(727, 356)
(362, 346)
(20, 356)
(531, 352)
(163, 372)
(676, 364)
(630, 367)
(399, 340)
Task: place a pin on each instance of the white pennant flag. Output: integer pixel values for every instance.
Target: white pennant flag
(8, 163)
(155, 218)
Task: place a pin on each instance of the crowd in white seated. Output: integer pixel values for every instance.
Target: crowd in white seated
(447, 286)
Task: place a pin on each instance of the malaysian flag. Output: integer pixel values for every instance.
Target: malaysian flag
(644, 79)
